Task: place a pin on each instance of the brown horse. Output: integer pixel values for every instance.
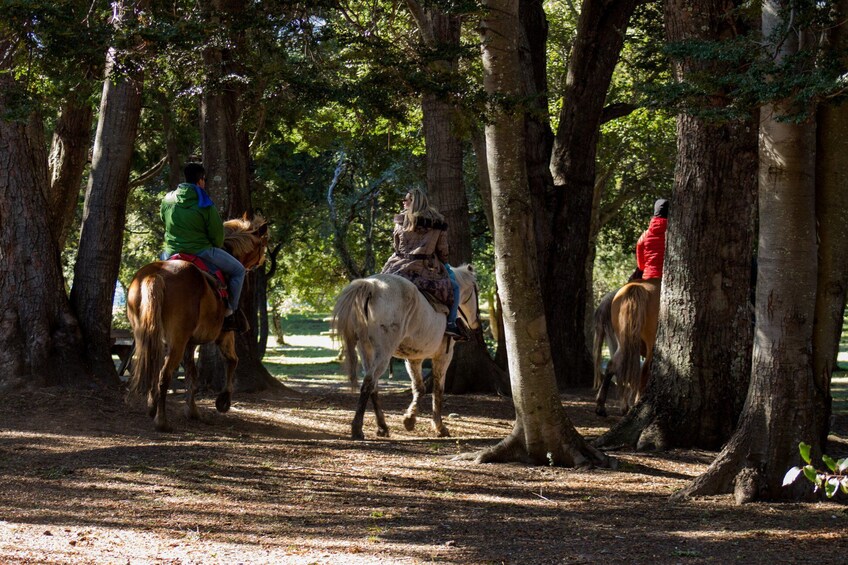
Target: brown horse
(634, 313)
(173, 307)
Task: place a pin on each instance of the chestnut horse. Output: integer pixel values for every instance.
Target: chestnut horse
(634, 313)
(172, 308)
(384, 316)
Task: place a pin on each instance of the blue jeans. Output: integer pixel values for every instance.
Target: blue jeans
(233, 271)
(455, 285)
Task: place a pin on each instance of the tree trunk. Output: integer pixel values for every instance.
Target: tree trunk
(251, 374)
(542, 433)
(831, 211)
(225, 155)
(104, 213)
(225, 144)
(702, 357)
(563, 248)
(782, 408)
(40, 343)
(472, 369)
(68, 158)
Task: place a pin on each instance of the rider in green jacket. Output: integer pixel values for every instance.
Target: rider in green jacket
(193, 225)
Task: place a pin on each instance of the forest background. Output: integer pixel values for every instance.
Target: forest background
(322, 115)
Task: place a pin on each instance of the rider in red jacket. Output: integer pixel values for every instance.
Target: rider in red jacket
(650, 249)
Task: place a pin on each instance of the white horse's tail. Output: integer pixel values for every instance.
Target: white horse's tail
(350, 317)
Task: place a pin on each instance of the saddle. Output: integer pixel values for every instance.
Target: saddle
(437, 305)
(215, 277)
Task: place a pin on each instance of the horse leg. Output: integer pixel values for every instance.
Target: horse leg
(172, 361)
(191, 411)
(603, 390)
(359, 416)
(382, 428)
(440, 366)
(414, 370)
(227, 344)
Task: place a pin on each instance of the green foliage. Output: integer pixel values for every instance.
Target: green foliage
(831, 481)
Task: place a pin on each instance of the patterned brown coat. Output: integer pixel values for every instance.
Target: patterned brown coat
(420, 256)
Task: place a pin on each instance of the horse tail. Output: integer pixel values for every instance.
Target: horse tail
(147, 332)
(350, 316)
(602, 322)
(631, 320)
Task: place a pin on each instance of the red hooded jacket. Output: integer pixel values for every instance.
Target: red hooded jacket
(650, 249)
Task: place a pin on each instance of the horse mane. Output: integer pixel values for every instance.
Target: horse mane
(239, 238)
(465, 274)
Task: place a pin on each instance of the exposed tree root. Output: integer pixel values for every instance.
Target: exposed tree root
(636, 429)
(571, 452)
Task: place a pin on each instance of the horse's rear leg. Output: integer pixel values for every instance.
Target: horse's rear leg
(172, 361)
(359, 416)
(603, 390)
(382, 428)
(373, 370)
(191, 411)
(414, 370)
(227, 344)
(440, 367)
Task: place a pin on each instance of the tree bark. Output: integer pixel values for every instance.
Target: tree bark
(472, 369)
(563, 245)
(702, 357)
(68, 158)
(782, 408)
(225, 156)
(831, 211)
(104, 212)
(40, 343)
(542, 433)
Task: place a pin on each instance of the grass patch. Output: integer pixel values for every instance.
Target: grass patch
(307, 354)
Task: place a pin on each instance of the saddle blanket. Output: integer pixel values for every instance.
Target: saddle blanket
(216, 273)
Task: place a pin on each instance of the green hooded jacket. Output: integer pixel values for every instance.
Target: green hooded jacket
(188, 227)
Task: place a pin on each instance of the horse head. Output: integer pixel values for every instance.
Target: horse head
(246, 239)
(469, 301)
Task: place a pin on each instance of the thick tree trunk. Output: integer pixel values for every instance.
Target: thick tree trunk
(831, 211)
(472, 369)
(782, 408)
(225, 156)
(40, 343)
(225, 145)
(104, 214)
(563, 249)
(68, 158)
(702, 356)
(542, 433)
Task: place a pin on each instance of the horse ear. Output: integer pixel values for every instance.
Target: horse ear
(470, 268)
(245, 217)
(261, 230)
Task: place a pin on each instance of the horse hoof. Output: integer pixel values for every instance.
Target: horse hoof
(383, 432)
(357, 434)
(164, 428)
(222, 403)
(443, 432)
(192, 414)
(601, 411)
(409, 423)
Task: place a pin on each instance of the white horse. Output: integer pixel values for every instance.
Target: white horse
(384, 316)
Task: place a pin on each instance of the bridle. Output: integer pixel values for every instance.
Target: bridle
(476, 294)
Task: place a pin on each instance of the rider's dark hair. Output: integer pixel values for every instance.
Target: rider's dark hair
(194, 172)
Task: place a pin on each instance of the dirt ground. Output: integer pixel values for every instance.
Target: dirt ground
(85, 479)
